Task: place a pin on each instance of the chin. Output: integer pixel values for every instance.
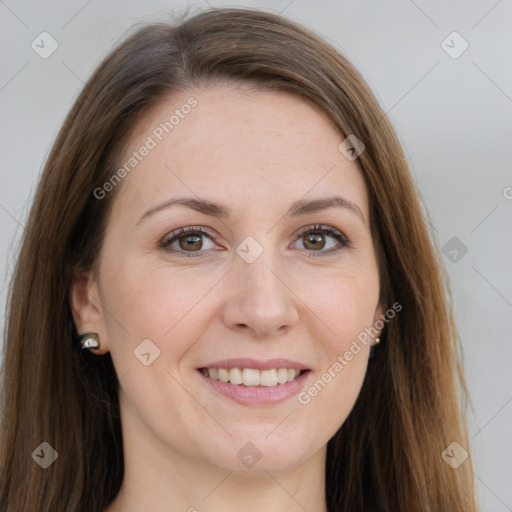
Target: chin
(259, 453)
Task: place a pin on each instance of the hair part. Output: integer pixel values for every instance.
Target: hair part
(387, 454)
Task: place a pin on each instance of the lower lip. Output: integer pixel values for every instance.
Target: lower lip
(257, 395)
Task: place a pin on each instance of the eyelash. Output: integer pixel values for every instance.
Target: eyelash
(317, 228)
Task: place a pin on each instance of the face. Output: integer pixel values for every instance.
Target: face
(259, 289)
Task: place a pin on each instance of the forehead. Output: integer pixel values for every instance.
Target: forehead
(241, 146)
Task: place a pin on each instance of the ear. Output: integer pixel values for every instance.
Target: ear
(86, 308)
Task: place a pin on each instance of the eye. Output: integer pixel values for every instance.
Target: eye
(314, 237)
(186, 240)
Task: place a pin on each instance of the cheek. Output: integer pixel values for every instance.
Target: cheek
(347, 307)
(345, 301)
(154, 302)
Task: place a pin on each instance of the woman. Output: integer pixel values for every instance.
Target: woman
(243, 158)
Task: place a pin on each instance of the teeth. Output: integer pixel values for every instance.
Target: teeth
(252, 376)
(235, 376)
(282, 375)
(268, 377)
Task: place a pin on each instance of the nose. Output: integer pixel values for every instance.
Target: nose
(261, 300)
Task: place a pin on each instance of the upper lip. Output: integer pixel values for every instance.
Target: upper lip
(254, 363)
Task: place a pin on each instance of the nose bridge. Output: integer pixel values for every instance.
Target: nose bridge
(254, 271)
(260, 298)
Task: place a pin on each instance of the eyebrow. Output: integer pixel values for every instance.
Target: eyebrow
(298, 208)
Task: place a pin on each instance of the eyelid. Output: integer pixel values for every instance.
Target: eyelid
(177, 233)
(322, 228)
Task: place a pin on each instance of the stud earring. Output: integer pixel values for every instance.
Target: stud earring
(372, 348)
(89, 340)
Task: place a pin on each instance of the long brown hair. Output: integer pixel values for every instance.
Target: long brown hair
(387, 454)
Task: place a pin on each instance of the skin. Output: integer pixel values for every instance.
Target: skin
(255, 152)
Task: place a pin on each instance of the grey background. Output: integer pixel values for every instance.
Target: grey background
(453, 117)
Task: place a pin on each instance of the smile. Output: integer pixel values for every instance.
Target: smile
(256, 383)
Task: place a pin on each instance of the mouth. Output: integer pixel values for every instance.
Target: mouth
(251, 382)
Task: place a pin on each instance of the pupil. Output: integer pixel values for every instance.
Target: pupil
(192, 239)
(316, 240)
